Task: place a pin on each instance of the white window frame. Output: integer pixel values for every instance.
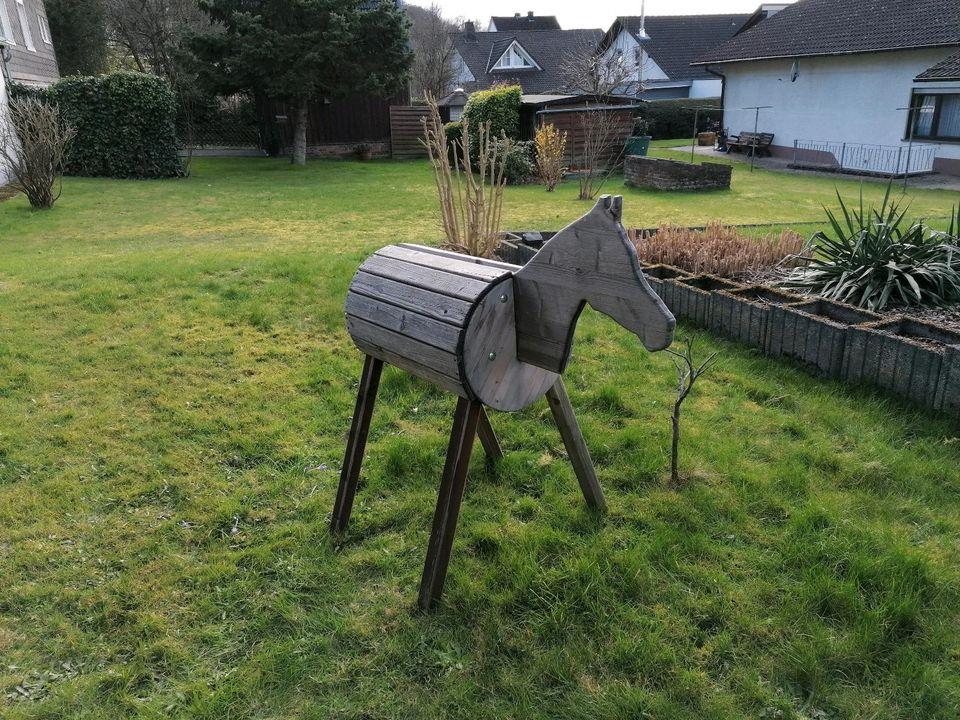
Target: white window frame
(6, 29)
(44, 28)
(25, 26)
(515, 50)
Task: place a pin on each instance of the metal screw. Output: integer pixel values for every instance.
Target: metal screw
(503, 298)
(492, 356)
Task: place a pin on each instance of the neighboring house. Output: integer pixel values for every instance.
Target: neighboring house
(26, 49)
(659, 49)
(518, 22)
(533, 59)
(838, 75)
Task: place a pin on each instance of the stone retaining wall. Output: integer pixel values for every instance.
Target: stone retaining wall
(660, 174)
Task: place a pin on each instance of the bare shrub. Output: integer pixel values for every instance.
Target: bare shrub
(551, 145)
(603, 132)
(469, 185)
(719, 249)
(688, 371)
(32, 148)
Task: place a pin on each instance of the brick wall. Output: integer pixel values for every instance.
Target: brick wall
(658, 174)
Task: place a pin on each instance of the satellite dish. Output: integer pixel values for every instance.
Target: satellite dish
(795, 71)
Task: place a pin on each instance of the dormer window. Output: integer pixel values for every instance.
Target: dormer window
(515, 58)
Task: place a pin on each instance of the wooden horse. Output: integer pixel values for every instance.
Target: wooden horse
(494, 334)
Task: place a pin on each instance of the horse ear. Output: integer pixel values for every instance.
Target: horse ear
(613, 204)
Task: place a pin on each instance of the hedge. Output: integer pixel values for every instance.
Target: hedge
(670, 119)
(125, 124)
(498, 106)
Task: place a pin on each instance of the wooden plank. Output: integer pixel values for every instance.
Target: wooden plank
(488, 438)
(402, 346)
(405, 322)
(452, 485)
(460, 256)
(576, 446)
(423, 372)
(426, 302)
(460, 267)
(435, 279)
(356, 443)
(591, 260)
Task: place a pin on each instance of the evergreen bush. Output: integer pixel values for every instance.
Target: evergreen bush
(125, 125)
(500, 107)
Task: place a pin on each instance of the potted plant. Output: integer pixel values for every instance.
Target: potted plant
(364, 151)
(639, 142)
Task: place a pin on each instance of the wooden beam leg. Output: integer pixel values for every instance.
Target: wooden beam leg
(464, 430)
(576, 446)
(356, 443)
(488, 438)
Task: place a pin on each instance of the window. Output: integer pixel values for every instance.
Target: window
(25, 26)
(514, 57)
(936, 115)
(6, 30)
(44, 29)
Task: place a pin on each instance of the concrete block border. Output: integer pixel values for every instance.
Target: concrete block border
(744, 314)
(692, 297)
(815, 332)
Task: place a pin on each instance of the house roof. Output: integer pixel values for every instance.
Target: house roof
(674, 41)
(840, 27)
(529, 21)
(946, 69)
(548, 49)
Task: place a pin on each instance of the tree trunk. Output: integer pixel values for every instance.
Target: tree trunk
(675, 447)
(299, 154)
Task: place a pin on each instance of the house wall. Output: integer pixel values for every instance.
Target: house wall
(30, 67)
(706, 88)
(847, 99)
(646, 70)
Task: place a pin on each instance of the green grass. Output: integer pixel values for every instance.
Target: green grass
(175, 389)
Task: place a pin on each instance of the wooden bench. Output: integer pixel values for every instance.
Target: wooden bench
(750, 142)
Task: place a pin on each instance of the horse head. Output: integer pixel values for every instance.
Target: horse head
(590, 261)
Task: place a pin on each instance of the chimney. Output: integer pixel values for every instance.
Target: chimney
(469, 28)
(530, 14)
(516, 15)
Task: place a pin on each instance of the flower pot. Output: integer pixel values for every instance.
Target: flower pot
(815, 332)
(638, 144)
(706, 139)
(917, 360)
(693, 297)
(743, 315)
(365, 155)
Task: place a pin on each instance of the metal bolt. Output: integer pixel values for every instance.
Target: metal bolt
(492, 356)
(503, 298)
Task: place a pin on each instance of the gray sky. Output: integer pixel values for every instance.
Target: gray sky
(586, 14)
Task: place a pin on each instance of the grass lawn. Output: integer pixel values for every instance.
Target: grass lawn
(175, 389)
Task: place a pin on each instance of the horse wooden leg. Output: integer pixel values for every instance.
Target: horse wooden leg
(576, 446)
(488, 438)
(356, 443)
(464, 430)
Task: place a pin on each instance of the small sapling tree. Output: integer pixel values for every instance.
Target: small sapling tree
(688, 371)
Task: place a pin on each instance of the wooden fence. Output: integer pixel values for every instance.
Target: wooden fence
(576, 121)
(406, 131)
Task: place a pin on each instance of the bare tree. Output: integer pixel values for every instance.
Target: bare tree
(434, 71)
(606, 73)
(603, 132)
(33, 143)
(687, 373)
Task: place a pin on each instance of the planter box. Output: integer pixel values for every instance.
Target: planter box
(692, 296)
(707, 139)
(917, 360)
(815, 332)
(660, 174)
(743, 315)
(657, 275)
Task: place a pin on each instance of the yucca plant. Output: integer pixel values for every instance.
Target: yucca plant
(876, 258)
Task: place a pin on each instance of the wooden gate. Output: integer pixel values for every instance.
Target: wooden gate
(406, 131)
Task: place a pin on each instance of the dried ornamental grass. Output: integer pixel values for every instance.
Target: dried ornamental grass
(718, 249)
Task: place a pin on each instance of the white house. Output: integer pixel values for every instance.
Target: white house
(26, 49)
(838, 78)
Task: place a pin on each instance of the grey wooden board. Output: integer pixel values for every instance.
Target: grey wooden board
(501, 380)
(426, 302)
(461, 257)
(406, 323)
(431, 260)
(439, 281)
(591, 260)
(381, 340)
